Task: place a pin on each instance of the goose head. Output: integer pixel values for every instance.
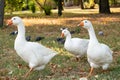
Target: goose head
(85, 24)
(65, 32)
(14, 21)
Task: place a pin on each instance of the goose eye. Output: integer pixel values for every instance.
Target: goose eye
(14, 18)
(64, 31)
(85, 21)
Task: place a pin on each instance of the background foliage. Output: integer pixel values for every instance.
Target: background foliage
(18, 5)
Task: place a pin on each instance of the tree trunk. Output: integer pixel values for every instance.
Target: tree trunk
(81, 4)
(1, 12)
(104, 6)
(60, 7)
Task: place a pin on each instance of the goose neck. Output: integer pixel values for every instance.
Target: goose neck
(92, 35)
(68, 37)
(21, 31)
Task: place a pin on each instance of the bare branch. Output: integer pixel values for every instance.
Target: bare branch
(45, 2)
(39, 4)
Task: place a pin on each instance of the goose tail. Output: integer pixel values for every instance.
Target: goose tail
(49, 57)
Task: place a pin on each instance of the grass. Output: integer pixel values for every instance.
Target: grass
(64, 65)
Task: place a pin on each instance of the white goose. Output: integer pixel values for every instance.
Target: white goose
(76, 46)
(35, 54)
(97, 54)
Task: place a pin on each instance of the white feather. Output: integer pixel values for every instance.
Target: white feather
(76, 46)
(98, 54)
(35, 54)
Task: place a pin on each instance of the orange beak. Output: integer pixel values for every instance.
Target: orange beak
(81, 24)
(62, 35)
(9, 22)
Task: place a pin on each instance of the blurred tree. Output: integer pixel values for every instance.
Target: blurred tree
(32, 6)
(96, 1)
(59, 3)
(81, 4)
(114, 2)
(60, 8)
(25, 4)
(76, 2)
(13, 5)
(45, 5)
(91, 4)
(1, 12)
(104, 6)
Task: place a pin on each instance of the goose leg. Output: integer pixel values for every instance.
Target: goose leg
(31, 69)
(91, 70)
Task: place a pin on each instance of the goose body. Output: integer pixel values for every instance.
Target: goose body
(35, 54)
(98, 54)
(76, 46)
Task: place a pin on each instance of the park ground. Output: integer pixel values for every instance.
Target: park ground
(63, 66)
